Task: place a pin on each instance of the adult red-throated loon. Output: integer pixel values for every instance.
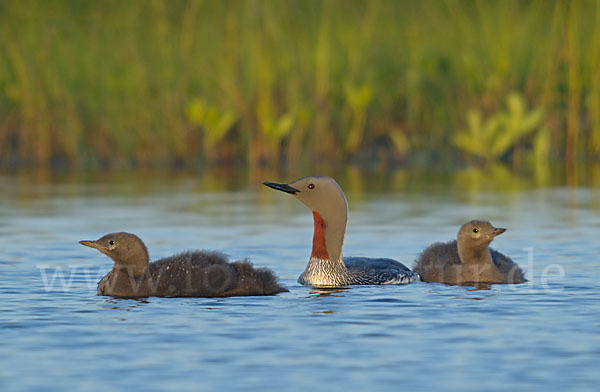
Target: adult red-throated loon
(326, 267)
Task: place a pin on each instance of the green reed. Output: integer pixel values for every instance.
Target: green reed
(268, 82)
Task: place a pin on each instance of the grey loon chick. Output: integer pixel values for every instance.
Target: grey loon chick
(188, 274)
(468, 260)
(326, 267)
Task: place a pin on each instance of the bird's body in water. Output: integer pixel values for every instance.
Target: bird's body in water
(326, 267)
(188, 274)
(468, 260)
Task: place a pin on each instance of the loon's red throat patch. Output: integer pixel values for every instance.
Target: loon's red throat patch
(319, 249)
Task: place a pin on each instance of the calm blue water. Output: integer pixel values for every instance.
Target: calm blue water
(56, 334)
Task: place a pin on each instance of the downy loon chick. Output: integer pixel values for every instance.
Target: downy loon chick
(326, 267)
(468, 260)
(188, 274)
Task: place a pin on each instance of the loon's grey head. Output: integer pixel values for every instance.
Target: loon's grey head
(326, 200)
(127, 251)
(478, 233)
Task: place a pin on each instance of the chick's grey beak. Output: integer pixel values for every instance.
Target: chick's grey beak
(281, 187)
(91, 244)
(498, 231)
(94, 244)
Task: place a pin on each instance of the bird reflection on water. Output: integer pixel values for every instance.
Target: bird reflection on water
(319, 292)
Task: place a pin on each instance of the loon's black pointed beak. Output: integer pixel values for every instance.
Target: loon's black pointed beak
(281, 187)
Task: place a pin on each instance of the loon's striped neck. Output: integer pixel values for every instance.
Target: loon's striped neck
(325, 273)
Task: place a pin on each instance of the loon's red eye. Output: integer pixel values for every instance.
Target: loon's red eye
(311, 186)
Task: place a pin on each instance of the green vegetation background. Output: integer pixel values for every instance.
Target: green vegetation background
(176, 82)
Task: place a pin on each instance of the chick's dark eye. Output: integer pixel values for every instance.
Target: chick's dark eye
(475, 230)
(311, 186)
(111, 242)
